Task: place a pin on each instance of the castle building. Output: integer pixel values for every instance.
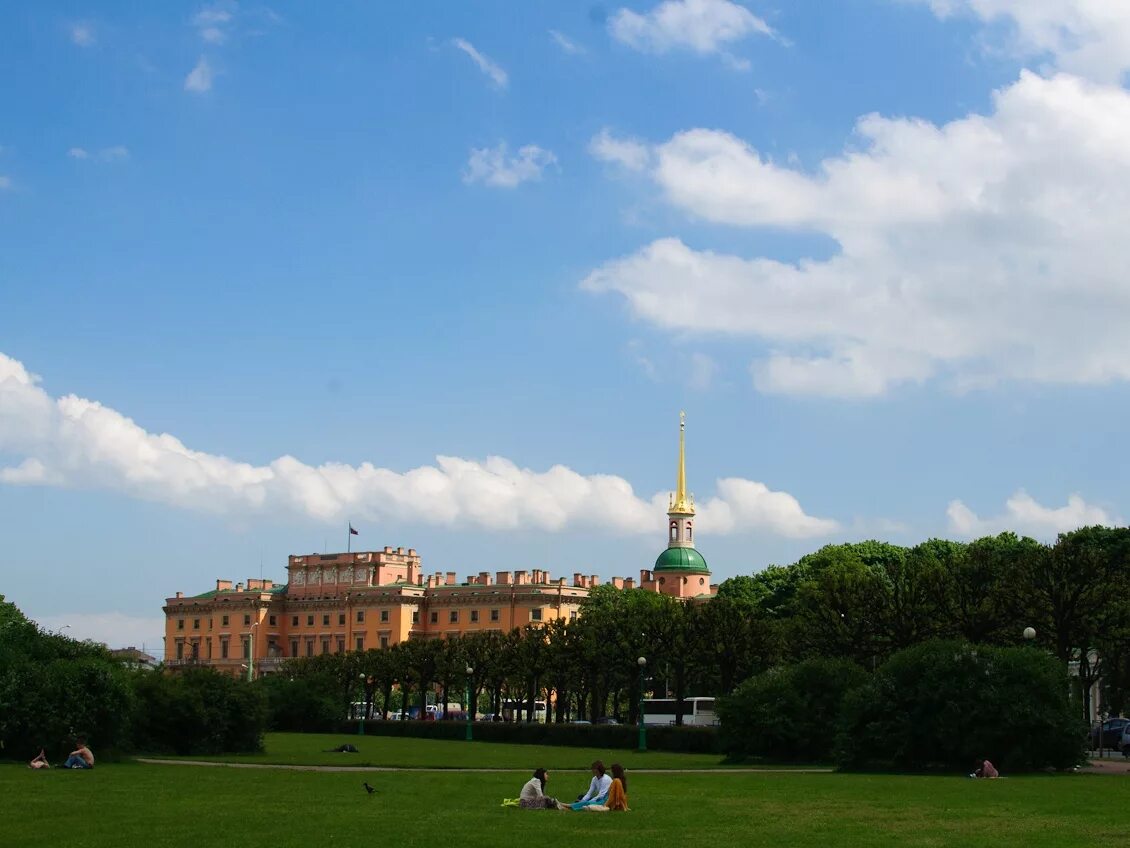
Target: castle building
(355, 601)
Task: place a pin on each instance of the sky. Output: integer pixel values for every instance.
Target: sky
(450, 271)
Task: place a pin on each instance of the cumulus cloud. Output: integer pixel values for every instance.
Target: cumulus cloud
(1086, 37)
(988, 248)
(74, 442)
(213, 23)
(626, 152)
(199, 79)
(1023, 515)
(565, 43)
(493, 166)
(497, 75)
(701, 26)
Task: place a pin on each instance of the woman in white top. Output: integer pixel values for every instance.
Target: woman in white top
(598, 788)
(533, 795)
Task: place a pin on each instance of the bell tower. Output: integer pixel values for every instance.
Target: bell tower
(680, 570)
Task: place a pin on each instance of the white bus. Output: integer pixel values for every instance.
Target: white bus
(698, 712)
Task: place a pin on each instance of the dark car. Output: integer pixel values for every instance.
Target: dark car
(1112, 733)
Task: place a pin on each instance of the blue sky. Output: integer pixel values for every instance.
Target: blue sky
(261, 266)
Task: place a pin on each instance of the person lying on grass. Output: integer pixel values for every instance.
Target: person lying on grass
(983, 768)
(40, 761)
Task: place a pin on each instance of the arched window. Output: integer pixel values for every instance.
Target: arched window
(674, 531)
(690, 532)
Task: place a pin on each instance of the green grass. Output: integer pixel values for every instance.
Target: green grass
(402, 752)
(168, 806)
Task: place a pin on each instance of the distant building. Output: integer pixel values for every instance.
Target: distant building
(131, 657)
(355, 601)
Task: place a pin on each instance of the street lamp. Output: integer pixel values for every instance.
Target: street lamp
(470, 708)
(251, 652)
(1029, 633)
(642, 663)
(361, 712)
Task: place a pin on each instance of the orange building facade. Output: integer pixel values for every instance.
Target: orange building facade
(332, 603)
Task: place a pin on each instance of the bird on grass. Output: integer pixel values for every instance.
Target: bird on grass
(368, 788)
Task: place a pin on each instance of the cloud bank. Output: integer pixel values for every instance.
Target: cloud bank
(75, 442)
(1023, 515)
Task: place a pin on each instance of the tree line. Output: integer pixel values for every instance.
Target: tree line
(861, 602)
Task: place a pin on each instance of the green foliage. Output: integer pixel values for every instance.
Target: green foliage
(788, 713)
(302, 705)
(199, 711)
(942, 704)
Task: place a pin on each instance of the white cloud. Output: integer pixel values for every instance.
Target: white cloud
(494, 167)
(486, 65)
(212, 23)
(199, 79)
(1086, 37)
(1023, 515)
(75, 442)
(565, 43)
(116, 629)
(117, 153)
(82, 34)
(701, 26)
(627, 152)
(988, 248)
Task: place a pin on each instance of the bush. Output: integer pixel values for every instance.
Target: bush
(198, 712)
(302, 705)
(788, 713)
(700, 740)
(944, 704)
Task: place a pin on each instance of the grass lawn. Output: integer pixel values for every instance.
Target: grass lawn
(400, 752)
(159, 806)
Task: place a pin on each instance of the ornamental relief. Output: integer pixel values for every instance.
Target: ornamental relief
(298, 577)
(315, 578)
(330, 577)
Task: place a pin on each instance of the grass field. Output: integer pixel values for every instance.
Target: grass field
(399, 752)
(159, 806)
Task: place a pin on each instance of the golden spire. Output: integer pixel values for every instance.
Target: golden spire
(682, 504)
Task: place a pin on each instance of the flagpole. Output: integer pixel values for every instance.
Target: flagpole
(348, 538)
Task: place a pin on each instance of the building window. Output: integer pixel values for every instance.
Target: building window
(535, 615)
(294, 621)
(674, 531)
(690, 532)
(360, 616)
(247, 621)
(434, 618)
(196, 624)
(360, 643)
(701, 581)
(223, 621)
(341, 646)
(309, 621)
(572, 615)
(223, 649)
(474, 616)
(247, 647)
(325, 646)
(326, 620)
(273, 620)
(415, 616)
(494, 615)
(384, 641)
(180, 624)
(294, 647)
(341, 619)
(453, 616)
(309, 647)
(384, 616)
(196, 650)
(180, 650)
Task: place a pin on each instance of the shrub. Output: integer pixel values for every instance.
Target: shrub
(301, 705)
(787, 713)
(944, 704)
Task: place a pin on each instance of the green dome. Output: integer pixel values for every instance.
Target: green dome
(683, 559)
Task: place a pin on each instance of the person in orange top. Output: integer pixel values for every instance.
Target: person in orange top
(618, 791)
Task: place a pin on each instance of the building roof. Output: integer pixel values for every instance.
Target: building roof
(681, 559)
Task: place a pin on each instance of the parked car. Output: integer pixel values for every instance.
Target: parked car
(581, 721)
(606, 720)
(1126, 741)
(1112, 733)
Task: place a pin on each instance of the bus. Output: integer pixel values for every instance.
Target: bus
(515, 711)
(697, 712)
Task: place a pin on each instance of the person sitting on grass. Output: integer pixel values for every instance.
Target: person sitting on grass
(81, 757)
(40, 761)
(598, 789)
(533, 795)
(983, 768)
(618, 790)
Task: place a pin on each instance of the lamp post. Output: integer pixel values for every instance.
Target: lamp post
(642, 663)
(361, 712)
(251, 652)
(1029, 633)
(470, 707)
